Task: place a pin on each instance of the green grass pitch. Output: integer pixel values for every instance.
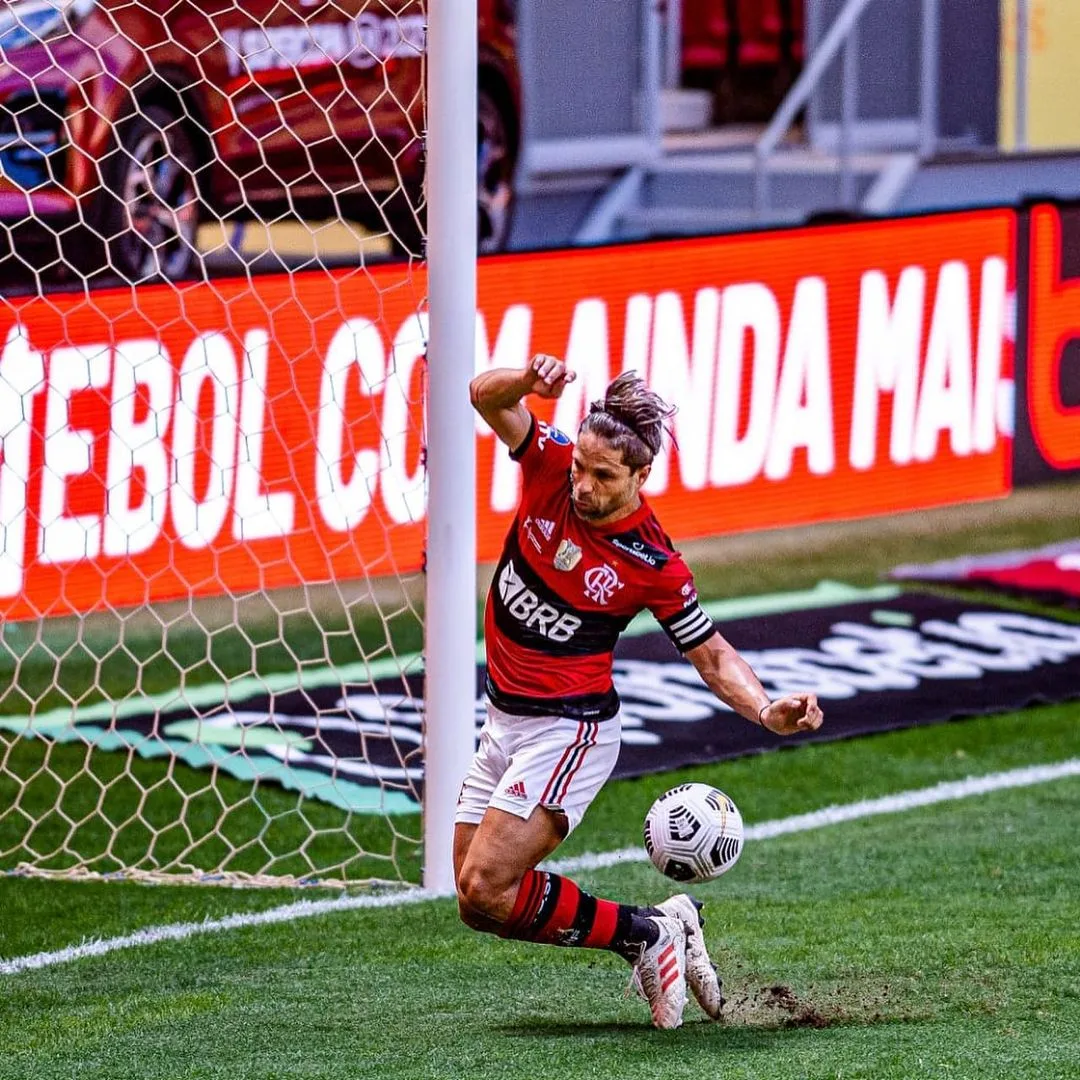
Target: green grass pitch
(939, 942)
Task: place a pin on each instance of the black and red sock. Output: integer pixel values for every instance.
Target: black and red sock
(552, 910)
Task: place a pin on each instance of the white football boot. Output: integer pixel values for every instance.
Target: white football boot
(701, 973)
(660, 973)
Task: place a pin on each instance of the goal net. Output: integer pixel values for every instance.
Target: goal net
(212, 485)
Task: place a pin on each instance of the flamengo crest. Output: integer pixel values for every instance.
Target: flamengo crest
(601, 583)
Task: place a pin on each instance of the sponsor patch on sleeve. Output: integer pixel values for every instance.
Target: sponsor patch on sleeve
(546, 432)
(631, 544)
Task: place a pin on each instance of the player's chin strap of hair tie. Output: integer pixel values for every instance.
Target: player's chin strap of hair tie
(761, 714)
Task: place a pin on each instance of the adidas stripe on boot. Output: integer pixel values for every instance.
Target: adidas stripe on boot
(660, 973)
(701, 975)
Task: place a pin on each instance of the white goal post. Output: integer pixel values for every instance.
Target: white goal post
(450, 612)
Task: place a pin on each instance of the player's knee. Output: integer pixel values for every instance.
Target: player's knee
(472, 919)
(478, 893)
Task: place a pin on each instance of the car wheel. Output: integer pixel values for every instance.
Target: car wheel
(151, 208)
(494, 189)
(495, 176)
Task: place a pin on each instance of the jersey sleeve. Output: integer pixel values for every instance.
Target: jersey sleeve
(677, 609)
(546, 451)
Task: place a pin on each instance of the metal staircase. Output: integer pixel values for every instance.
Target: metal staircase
(778, 175)
(696, 192)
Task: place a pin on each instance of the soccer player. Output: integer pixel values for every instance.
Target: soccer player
(585, 554)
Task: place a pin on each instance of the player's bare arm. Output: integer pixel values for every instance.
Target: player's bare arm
(497, 395)
(733, 681)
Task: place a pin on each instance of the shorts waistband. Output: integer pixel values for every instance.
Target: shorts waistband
(603, 706)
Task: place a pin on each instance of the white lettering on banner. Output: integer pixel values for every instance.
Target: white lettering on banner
(68, 454)
(22, 376)
(368, 41)
(804, 415)
(673, 693)
(344, 504)
(512, 351)
(745, 308)
(386, 38)
(753, 382)
(854, 658)
(957, 393)
(684, 374)
(945, 398)
(587, 353)
(511, 346)
(404, 493)
(257, 514)
(637, 341)
(1040, 640)
(199, 517)
(137, 447)
(993, 327)
(887, 358)
(741, 359)
(876, 658)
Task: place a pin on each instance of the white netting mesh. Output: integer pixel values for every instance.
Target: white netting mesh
(211, 479)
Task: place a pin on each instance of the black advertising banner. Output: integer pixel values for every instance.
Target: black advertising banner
(875, 665)
(915, 659)
(1047, 437)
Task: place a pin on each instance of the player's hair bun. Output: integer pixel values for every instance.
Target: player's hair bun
(630, 405)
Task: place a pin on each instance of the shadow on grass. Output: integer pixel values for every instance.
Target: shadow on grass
(550, 1028)
(740, 1034)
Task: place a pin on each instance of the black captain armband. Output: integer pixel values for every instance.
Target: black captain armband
(689, 628)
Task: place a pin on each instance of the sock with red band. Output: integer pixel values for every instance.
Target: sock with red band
(552, 910)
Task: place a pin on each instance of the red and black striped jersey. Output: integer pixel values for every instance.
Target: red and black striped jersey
(565, 589)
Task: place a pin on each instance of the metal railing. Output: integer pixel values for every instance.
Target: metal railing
(1023, 21)
(843, 35)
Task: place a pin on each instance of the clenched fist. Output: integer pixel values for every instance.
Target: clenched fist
(549, 376)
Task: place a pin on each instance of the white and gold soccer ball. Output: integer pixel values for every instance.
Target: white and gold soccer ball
(693, 833)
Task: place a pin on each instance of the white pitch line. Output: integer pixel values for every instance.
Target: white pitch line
(947, 791)
(302, 909)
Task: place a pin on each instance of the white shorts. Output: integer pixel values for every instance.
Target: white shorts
(524, 762)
